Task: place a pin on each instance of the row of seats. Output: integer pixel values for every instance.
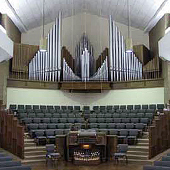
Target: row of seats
(35, 126)
(7, 163)
(45, 136)
(164, 164)
(115, 107)
(49, 115)
(140, 126)
(122, 111)
(52, 120)
(119, 120)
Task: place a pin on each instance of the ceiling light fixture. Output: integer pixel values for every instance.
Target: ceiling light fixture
(43, 40)
(129, 44)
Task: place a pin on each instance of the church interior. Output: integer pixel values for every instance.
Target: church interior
(84, 84)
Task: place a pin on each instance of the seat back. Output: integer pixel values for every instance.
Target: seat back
(122, 148)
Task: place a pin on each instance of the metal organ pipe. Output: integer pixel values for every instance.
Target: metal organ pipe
(126, 66)
(46, 66)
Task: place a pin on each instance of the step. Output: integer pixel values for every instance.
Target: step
(143, 140)
(29, 153)
(34, 157)
(33, 148)
(140, 162)
(139, 148)
(29, 144)
(28, 140)
(33, 161)
(138, 157)
(142, 144)
(137, 153)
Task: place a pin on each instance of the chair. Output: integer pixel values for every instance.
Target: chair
(51, 108)
(117, 120)
(160, 107)
(100, 120)
(50, 135)
(51, 126)
(5, 158)
(121, 152)
(166, 158)
(54, 120)
(13, 107)
(21, 107)
(109, 120)
(47, 115)
(63, 107)
(93, 125)
(144, 121)
(145, 107)
(70, 120)
(130, 125)
(116, 115)
(140, 126)
(46, 120)
(31, 115)
(70, 108)
(52, 154)
(123, 115)
(39, 137)
(102, 108)
(120, 125)
(56, 115)
(132, 138)
(79, 120)
(113, 132)
(61, 126)
(140, 115)
(102, 125)
(149, 167)
(134, 120)
(36, 120)
(59, 132)
(36, 107)
(43, 107)
(125, 120)
(116, 107)
(162, 163)
(111, 125)
(64, 115)
(86, 108)
(109, 107)
(9, 164)
(37, 111)
(40, 115)
(27, 120)
(92, 120)
(100, 115)
(152, 106)
(77, 108)
(137, 107)
(122, 136)
(42, 126)
(130, 107)
(122, 107)
(22, 167)
(63, 120)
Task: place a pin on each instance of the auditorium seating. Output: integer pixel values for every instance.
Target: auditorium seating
(160, 165)
(7, 163)
(127, 121)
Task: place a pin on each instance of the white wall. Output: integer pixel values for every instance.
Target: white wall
(112, 97)
(97, 29)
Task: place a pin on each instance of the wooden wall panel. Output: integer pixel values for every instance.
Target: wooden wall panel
(23, 54)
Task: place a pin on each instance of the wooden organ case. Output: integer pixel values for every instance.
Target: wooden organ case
(86, 147)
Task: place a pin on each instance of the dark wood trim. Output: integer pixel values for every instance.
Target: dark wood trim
(86, 87)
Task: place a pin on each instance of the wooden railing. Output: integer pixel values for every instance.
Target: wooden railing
(159, 135)
(11, 133)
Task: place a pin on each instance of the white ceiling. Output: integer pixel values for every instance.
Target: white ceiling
(27, 14)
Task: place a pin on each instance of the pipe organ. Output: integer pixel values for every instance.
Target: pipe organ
(46, 66)
(123, 66)
(118, 66)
